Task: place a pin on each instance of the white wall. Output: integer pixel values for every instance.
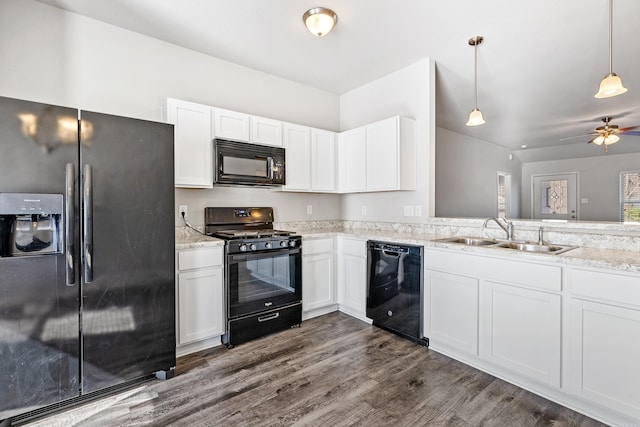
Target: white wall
(466, 176)
(53, 56)
(598, 181)
(408, 92)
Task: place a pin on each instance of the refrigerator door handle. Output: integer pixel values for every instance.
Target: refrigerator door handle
(87, 226)
(69, 203)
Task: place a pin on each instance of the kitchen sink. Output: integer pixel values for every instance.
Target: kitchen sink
(504, 244)
(469, 241)
(534, 247)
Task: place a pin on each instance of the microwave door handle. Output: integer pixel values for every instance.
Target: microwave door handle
(271, 166)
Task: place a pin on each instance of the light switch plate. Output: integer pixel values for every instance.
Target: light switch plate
(309, 209)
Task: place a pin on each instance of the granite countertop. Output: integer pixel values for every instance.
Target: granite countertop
(187, 238)
(620, 260)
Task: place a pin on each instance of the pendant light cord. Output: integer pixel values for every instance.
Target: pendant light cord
(475, 74)
(610, 36)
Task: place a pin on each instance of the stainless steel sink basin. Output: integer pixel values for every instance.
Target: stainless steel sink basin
(534, 247)
(469, 241)
(503, 244)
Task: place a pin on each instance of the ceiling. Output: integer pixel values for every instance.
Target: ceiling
(539, 66)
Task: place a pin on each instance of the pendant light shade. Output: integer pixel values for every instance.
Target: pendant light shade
(475, 117)
(611, 85)
(319, 20)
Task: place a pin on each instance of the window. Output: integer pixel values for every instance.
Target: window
(504, 193)
(630, 196)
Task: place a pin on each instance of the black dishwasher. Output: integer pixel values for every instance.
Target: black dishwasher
(394, 294)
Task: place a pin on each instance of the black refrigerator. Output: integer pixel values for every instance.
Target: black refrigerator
(87, 295)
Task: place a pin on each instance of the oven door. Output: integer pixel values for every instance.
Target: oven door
(263, 280)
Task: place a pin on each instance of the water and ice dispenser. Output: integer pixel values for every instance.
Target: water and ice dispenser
(30, 224)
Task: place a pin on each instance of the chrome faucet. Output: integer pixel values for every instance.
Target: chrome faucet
(507, 227)
(540, 236)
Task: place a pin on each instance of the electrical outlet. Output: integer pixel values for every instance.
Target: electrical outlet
(181, 209)
(584, 200)
(408, 210)
(309, 209)
(363, 210)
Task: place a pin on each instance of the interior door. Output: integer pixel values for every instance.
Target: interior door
(128, 289)
(555, 196)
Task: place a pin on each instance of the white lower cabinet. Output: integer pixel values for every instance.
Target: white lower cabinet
(199, 298)
(521, 331)
(604, 347)
(451, 311)
(352, 277)
(318, 285)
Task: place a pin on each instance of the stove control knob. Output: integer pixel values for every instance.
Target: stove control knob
(243, 248)
(283, 243)
(292, 243)
(268, 245)
(252, 246)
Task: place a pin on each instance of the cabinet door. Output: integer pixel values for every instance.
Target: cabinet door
(200, 305)
(323, 159)
(317, 281)
(193, 143)
(521, 331)
(231, 125)
(352, 285)
(451, 310)
(604, 353)
(352, 160)
(266, 131)
(383, 155)
(297, 144)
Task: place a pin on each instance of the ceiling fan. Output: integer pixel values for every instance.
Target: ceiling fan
(608, 133)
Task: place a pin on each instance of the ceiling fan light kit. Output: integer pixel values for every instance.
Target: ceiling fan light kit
(611, 85)
(475, 117)
(319, 20)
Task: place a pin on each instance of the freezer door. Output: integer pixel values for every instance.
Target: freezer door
(39, 320)
(128, 292)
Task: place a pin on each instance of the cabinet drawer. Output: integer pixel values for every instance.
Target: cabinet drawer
(353, 247)
(317, 246)
(531, 274)
(200, 258)
(606, 286)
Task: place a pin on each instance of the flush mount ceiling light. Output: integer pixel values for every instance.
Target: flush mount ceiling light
(319, 20)
(475, 117)
(611, 85)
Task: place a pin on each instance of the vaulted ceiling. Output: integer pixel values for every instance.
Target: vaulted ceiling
(539, 66)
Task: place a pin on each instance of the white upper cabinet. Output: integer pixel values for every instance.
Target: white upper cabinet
(323, 160)
(297, 144)
(193, 143)
(380, 156)
(266, 131)
(246, 128)
(231, 125)
(310, 159)
(352, 161)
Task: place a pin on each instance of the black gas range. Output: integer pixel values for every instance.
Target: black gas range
(263, 272)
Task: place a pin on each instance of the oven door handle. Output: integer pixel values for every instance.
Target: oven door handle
(268, 254)
(268, 317)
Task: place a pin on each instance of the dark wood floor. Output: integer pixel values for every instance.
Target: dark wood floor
(333, 371)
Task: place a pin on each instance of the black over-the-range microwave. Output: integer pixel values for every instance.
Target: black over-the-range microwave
(240, 163)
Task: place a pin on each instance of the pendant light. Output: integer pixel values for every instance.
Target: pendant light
(475, 117)
(611, 85)
(319, 20)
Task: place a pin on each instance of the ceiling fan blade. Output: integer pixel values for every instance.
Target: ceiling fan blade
(631, 132)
